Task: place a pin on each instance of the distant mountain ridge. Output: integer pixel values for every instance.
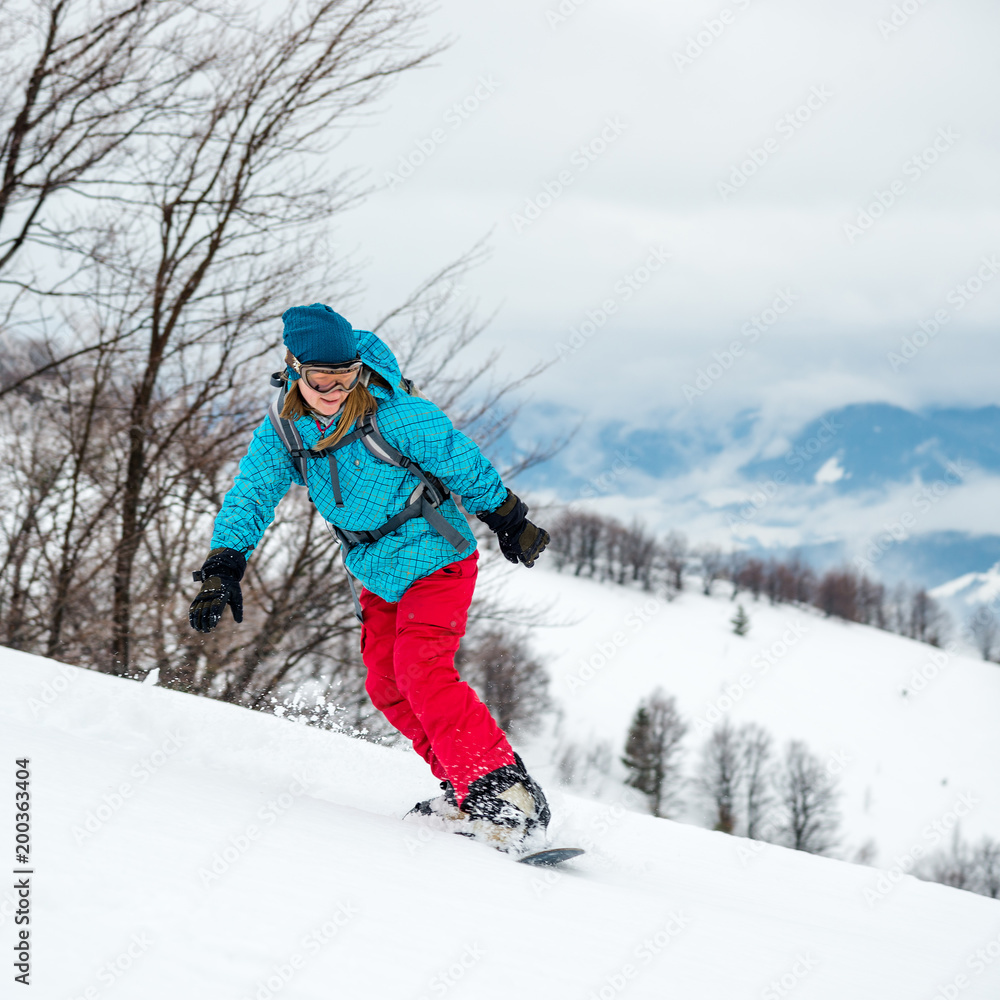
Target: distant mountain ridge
(877, 443)
(683, 474)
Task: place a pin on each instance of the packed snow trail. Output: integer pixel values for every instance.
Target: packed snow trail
(187, 848)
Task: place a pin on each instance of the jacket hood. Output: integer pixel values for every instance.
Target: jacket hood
(377, 356)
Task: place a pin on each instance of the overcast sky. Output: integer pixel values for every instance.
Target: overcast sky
(736, 143)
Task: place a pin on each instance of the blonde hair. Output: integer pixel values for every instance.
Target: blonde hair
(359, 401)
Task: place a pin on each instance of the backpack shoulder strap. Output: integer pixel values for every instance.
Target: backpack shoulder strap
(372, 438)
(289, 435)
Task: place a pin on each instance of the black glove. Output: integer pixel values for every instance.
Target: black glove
(220, 577)
(520, 540)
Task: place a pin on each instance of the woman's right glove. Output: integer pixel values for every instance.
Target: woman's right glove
(220, 577)
(520, 540)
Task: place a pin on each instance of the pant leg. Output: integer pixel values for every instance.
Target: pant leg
(430, 622)
(378, 639)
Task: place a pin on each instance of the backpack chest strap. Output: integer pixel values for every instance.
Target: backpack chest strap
(419, 506)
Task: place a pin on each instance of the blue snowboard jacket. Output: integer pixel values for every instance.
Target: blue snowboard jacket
(372, 490)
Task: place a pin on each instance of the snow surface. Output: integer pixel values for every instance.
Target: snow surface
(187, 848)
(909, 731)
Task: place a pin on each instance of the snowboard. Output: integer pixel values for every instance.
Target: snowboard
(551, 856)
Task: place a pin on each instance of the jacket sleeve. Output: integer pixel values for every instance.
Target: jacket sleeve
(424, 434)
(265, 473)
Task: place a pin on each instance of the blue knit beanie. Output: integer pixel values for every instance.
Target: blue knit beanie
(317, 335)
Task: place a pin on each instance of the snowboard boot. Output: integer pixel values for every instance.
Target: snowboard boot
(442, 807)
(507, 810)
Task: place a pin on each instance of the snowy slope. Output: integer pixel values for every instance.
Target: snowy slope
(185, 848)
(910, 731)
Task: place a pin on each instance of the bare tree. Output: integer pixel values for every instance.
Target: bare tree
(199, 199)
(653, 751)
(80, 82)
(675, 553)
(198, 236)
(984, 629)
(578, 541)
(752, 577)
(808, 796)
(713, 566)
(735, 571)
(512, 683)
(837, 594)
(756, 748)
(928, 620)
(580, 765)
(720, 775)
(871, 602)
(964, 866)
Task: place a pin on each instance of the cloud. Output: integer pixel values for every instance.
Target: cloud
(866, 150)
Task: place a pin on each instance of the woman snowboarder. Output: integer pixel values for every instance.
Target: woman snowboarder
(412, 550)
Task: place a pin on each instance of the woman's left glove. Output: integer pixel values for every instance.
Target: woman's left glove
(520, 540)
(220, 577)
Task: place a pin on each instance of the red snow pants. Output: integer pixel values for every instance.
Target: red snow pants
(409, 650)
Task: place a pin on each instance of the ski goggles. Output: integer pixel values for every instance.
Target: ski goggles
(326, 378)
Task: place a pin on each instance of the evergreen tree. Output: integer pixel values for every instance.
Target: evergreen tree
(740, 621)
(652, 751)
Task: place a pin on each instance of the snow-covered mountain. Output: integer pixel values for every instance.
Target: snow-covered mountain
(912, 494)
(187, 848)
(971, 589)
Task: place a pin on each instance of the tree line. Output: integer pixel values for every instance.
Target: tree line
(740, 784)
(604, 549)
